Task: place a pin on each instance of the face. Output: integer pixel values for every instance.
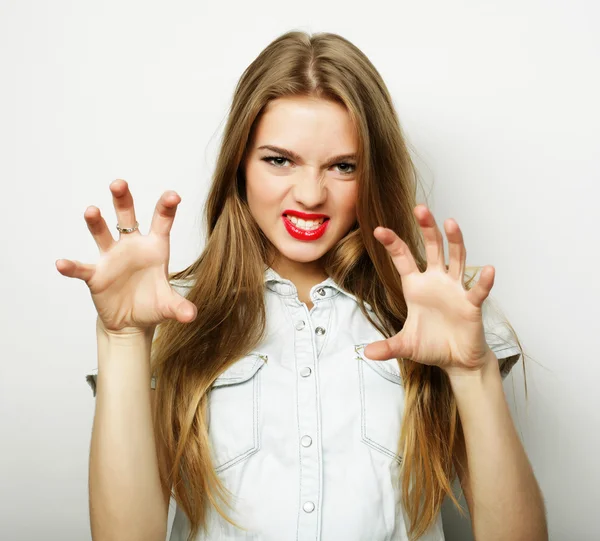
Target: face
(300, 178)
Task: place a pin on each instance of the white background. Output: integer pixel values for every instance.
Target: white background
(499, 101)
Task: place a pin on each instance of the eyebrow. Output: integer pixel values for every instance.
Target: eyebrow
(291, 155)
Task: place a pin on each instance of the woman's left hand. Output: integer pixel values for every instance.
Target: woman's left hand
(444, 324)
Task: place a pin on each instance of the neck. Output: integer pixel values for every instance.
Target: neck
(302, 275)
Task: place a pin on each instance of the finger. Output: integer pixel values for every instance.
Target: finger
(391, 348)
(456, 249)
(123, 203)
(434, 242)
(164, 213)
(181, 309)
(98, 228)
(480, 291)
(75, 269)
(402, 258)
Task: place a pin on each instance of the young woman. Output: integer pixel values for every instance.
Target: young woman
(319, 373)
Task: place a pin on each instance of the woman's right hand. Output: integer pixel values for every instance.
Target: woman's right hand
(130, 284)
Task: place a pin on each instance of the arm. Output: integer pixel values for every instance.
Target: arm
(504, 499)
(126, 499)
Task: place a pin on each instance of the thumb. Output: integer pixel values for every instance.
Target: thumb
(182, 310)
(186, 311)
(390, 348)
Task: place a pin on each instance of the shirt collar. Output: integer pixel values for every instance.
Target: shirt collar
(326, 289)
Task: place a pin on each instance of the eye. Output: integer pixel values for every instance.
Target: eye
(349, 165)
(269, 158)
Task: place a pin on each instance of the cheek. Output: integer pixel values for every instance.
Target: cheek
(263, 192)
(347, 202)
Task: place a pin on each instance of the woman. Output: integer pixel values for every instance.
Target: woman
(319, 372)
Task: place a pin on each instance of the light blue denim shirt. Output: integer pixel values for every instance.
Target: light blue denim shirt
(304, 429)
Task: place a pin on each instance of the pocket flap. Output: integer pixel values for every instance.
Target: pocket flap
(388, 369)
(241, 370)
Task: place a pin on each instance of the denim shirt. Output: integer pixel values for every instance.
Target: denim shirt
(304, 430)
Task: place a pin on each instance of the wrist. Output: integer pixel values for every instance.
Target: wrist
(488, 370)
(125, 332)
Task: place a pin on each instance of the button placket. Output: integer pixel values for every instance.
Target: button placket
(308, 414)
(321, 319)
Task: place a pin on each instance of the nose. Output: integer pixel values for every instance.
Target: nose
(310, 190)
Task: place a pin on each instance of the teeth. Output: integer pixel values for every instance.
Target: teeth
(305, 224)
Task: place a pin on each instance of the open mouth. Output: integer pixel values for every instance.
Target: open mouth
(307, 225)
(305, 229)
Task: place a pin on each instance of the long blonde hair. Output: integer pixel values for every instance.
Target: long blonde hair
(228, 284)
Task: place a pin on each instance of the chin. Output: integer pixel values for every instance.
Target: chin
(302, 252)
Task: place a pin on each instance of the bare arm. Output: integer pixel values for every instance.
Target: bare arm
(504, 499)
(132, 293)
(126, 500)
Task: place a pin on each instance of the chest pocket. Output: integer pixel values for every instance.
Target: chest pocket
(234, 407)
(382, 403)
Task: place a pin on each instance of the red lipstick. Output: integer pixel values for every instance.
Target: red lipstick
(304, 234)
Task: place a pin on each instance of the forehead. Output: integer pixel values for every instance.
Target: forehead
(307, 124)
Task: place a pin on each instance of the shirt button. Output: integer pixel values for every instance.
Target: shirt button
(320, 331)
(306, 441)
(309, 507)
(305, 371)
(321, 292)
(300, 325)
